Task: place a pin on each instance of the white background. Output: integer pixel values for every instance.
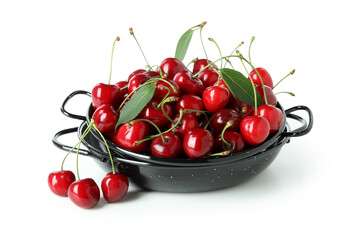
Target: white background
(49, 49)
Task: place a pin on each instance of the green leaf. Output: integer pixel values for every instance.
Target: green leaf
(136, 103)
(240, 86)
(183, 44)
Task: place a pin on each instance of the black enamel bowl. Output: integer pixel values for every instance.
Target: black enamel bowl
(202, 161)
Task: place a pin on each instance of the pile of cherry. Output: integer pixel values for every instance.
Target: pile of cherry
(172, 111)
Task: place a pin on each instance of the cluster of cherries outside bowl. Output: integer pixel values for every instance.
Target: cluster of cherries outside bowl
(172, 111)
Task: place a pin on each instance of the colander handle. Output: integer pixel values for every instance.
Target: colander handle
(71, 115)
(66, 147)
(306, 126)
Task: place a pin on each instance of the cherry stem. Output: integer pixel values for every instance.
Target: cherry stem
(161, 71)
(166, 81)
(107, 147)
(240, 44)
(224, 153)
(228, 124)
(87, 130)
(198, 112)
(228, 61)
(167, 94)
(290, 73)
(208, 123)
(212, 40)
(142, 52)
(251, 41)
(112, 54)
(203, 69)
(290, 93)
(169, 99)
(202, 43)
(152, 123)
(192, 61)
(124, 87)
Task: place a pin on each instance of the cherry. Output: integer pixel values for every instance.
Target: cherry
(105, 118)
(129, 133)
(166, 145)
(208, 77)
(273, 115)
(162, 91)
(241, 107)
(271, 98)
(222, 116)
(60, 181)
(106, 94)
(200, 64)
(215, 98)
(136, 72)
(189, 101)
(114, 186)
(236, 142)
(170, 67)
(153, 112)
(188, 122)
(136, 81)
(198, 142)
(255, 129)
(152, 74)
(123, 88)
(265, 76)
(84, 193)
(188, 84)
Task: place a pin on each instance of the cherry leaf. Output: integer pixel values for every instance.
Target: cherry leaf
(183, 44)
(240, 86)
(136, 103)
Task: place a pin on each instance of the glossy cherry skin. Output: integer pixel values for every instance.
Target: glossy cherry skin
(200, 64)
(241, 107)
(161, 91)
(235, 139)
(171, 148)
(171, 66)
(255, 129)
(273, 115)
(84, 193)
(114, 186)
(106, 94)
(222, 116)
(136, 81)
(136, 72)
(60, 181)
(105, 118)
(127, 135)
(188, 84)
(155, 114)
(271, 98)
(198, 142)
(187, 122)
(265, 76)
(122, 85)
(189, 101)
(215, 98)
(208, 77)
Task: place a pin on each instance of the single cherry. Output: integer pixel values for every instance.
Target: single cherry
(136, 81)
(170, 67)
(222, 116)
(234, 142)
(114, 186)
(255, 129)
(208, 77)
(188, 122)
(136, 72)
(188, 84)
(241, 107)
(273, 115)
(271, 98)
(106, 94)
(162, 87)
(168, 145)
(265, 76)
(198, 142)
(215, 98)
(153, 112)
(60, 181)
(189, 101)
(84, 193)
(200, 64)
(123, 85)
(128, 134)
(105, 118)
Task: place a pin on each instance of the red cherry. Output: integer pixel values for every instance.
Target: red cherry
(106, 94)
(187, 122)
(136, 81)
(122, 85)
(84, 193)
(189, 101)
(171, 148)
(222, 116)
(255, 129)
(272, 114)
(242, 108)
(198, 142)
(271, 98)
(155, 114)
(105, 118)
(114, 186)
(200, 64)
(152, 74)
(215, 98)
(60, 181)
(136, 72)
(128, 134)
(265, 76)
(161, 91)
(237, 142)
(208, 77)
(188, 84)
(171, 66)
